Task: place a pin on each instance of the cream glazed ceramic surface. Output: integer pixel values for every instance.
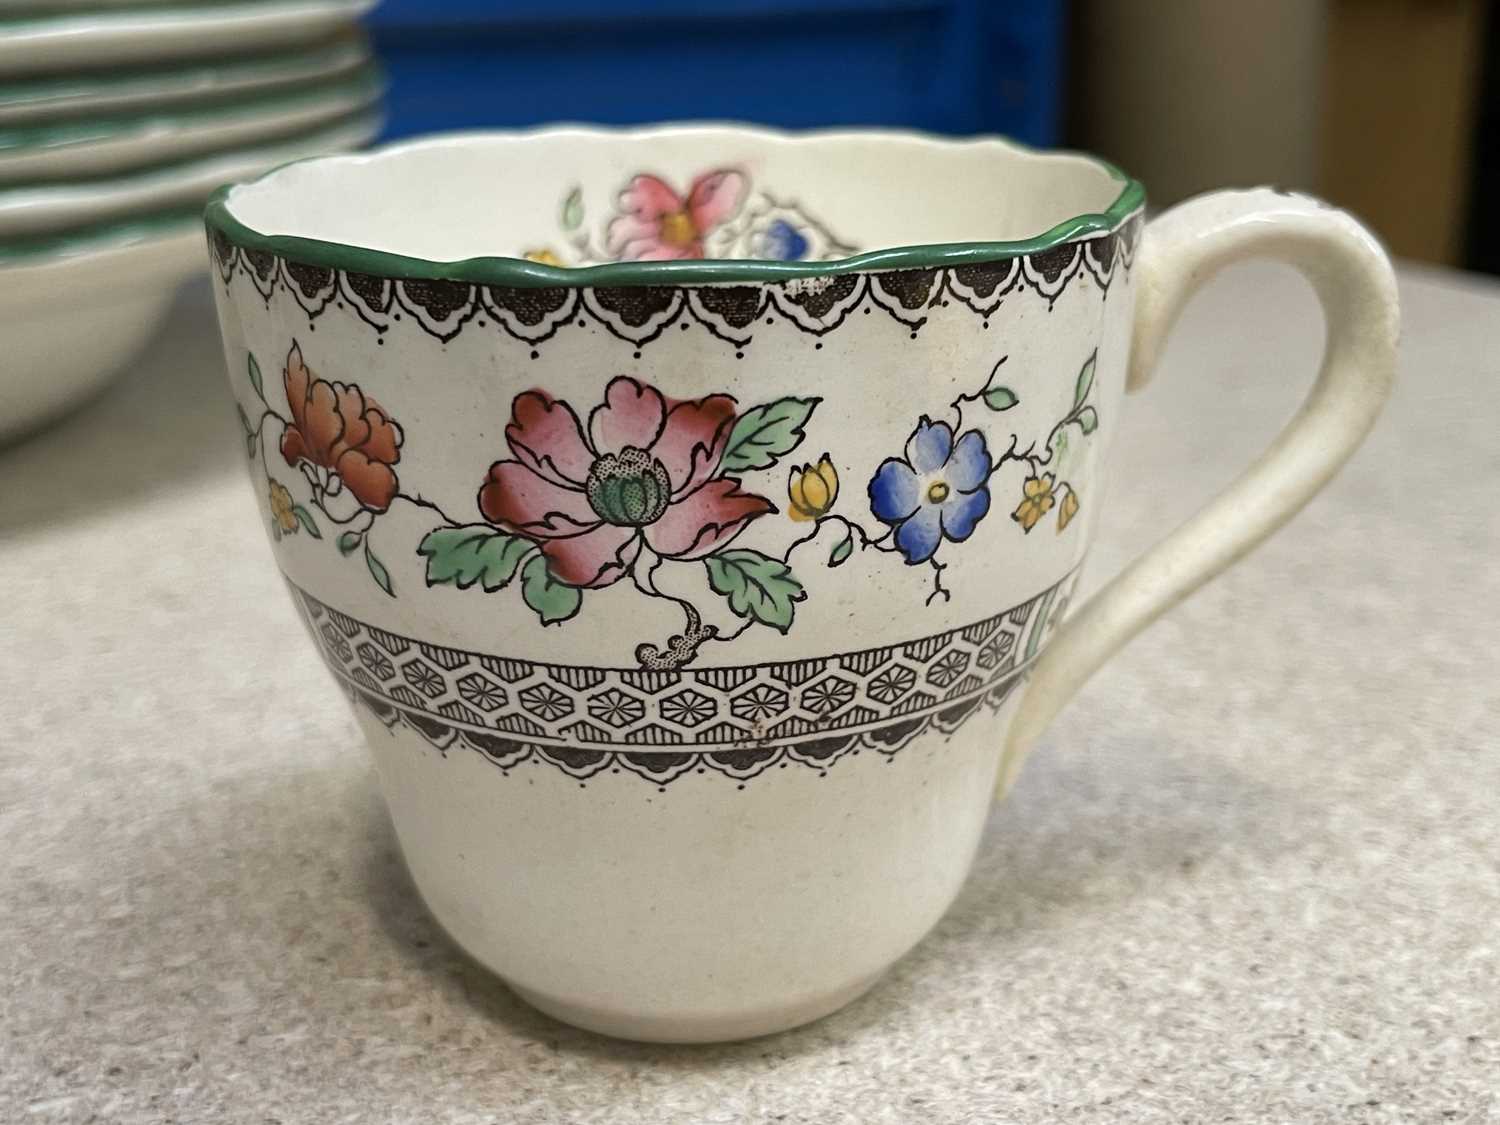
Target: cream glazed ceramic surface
(30, 211)
(37, 41)
(688, 604)
(113, 146)
(78, 313)
(54, 99)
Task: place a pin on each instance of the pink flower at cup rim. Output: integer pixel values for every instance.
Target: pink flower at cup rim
(657, 224)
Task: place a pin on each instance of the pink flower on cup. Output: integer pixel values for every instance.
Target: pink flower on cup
(644, 470)
(655, 223)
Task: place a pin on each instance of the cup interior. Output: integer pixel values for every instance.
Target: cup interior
(576, 196)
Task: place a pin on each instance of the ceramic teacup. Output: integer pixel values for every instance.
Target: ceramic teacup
(693, 514)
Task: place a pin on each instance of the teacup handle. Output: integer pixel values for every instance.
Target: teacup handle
(1178, 253)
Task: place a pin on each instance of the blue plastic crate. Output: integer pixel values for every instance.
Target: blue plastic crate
(953, 66)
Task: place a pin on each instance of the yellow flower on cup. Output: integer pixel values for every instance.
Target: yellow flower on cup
(281, 508)
(545, 256)
(1067, 509)
(812, 490)
(1037, 502)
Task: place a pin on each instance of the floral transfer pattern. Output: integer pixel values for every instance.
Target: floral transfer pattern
(340, 435)
(344, 445)
(938, 490)
(657, 224)
(813, 490)
(642, 482)
(717, 215)
(645, 472)
(777, 230)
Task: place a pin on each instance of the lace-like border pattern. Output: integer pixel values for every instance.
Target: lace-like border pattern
(735, 721)
(642, 314)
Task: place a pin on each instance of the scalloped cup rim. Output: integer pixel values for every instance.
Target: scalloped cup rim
(219, 216)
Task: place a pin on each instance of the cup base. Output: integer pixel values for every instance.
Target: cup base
(742, 1021)
(733, 1025)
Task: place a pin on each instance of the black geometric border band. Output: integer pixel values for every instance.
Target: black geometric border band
(737, 721)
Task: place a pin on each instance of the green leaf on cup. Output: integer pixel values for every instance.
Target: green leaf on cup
(378, 572)
(572, 209)
(758, 587)
(1000, 398)
(841, 550)
(349, 542)
(1085, 382)
(250, 434)
(1088, 418)
(764, 433)
(304, 517)
(553, 601)
(473, 553)
(255, 377)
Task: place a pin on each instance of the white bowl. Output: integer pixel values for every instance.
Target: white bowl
(78, 312)
(29, 211)
(112, 145)
(113, 92)
(33, 45)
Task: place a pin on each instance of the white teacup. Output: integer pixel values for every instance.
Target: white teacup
(692, 513)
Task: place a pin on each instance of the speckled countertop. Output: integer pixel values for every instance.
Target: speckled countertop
(1253, 875)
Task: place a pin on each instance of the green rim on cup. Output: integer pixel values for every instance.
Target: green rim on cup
(519, 272)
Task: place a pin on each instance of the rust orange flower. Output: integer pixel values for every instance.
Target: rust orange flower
(336, 427)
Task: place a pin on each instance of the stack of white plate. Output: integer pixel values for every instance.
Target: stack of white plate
(118, 118)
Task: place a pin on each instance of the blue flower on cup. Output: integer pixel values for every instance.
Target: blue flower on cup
(939, 490)
(783, 242)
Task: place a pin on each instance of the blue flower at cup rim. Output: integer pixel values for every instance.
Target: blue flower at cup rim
(783, 242)
(939, 490)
